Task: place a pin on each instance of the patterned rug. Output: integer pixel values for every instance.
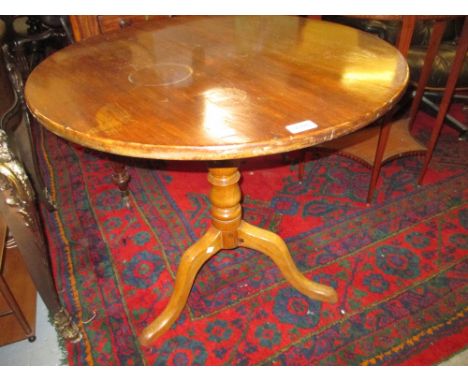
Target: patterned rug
(399, 266)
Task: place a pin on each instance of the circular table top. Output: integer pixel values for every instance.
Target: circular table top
(216, 87)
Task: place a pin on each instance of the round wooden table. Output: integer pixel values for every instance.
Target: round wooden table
(218, 89)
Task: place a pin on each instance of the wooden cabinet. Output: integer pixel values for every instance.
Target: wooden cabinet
(87, 26)
(17, 294)
(113, 23)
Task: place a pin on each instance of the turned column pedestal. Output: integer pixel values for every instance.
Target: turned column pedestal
(229, 231)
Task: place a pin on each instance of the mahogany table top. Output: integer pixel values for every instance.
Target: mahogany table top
(215, 88)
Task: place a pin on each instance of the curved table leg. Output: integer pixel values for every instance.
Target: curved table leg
(191, 262)
(275, 248)
(229, 231)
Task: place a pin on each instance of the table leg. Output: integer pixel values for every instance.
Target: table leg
(228, 231)
(121, 178)
(274, 247)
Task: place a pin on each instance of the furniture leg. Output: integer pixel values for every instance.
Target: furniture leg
(229, 231)
(301, 165)
(403, 44)
(379, 152)
(275, 248)
(121, 179)
(406, 34)
(191, 262)
(433, 47)
(455, 123)
(448, 93)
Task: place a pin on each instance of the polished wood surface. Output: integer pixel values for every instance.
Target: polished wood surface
(216, 87)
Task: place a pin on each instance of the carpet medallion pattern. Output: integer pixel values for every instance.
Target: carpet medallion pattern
(399, 266)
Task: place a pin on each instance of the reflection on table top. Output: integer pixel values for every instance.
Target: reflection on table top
(216, 87)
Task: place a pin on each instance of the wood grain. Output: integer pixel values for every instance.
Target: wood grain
(84, 27)
(216, 87)
(213, 88)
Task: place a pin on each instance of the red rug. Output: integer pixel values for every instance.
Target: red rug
(399, 266)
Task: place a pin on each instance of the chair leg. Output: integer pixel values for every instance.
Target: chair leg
(448, 93)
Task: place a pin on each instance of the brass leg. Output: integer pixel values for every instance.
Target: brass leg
(229, 231)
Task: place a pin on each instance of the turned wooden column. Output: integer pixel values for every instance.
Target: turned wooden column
(225, 197)
(229, 231)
